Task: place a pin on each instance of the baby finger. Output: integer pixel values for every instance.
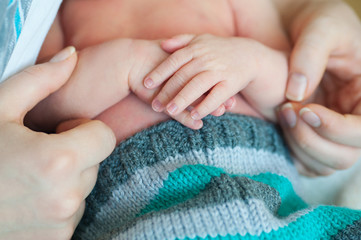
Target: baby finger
(167, 68)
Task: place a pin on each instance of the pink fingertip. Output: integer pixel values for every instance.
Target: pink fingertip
(198, 124)
(157, 106)
(172, 108)
(229, 103)
(195, 115)
(148, 82)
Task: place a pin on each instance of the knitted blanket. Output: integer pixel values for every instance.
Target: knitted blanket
(232, 179)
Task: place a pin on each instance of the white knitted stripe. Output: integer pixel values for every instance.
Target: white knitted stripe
(134, 195)
(231, 218)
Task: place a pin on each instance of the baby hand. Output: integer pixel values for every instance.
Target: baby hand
(215, 66)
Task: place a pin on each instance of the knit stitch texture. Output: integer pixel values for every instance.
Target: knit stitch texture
(232, 179)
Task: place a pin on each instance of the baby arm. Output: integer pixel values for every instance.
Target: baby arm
(220, 67)
(105, 74)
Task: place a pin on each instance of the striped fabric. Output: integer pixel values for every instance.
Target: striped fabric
(13, 14)
(233, 179)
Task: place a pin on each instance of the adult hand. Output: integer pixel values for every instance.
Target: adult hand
(326, 36)
(44, 179)
(325, 135)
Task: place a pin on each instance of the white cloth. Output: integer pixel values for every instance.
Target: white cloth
(38, 22)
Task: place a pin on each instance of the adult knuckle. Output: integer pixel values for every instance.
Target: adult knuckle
(103, 133)
(66, 206)
(60, 165)
(65, 232)
(35, 71)
(68, 231)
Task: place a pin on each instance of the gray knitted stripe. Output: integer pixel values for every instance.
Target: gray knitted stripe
(219, 191)
(171, 139)
(230, 218)
(144, 185)
(351, 232)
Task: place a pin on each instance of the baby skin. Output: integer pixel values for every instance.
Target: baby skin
(120, 48)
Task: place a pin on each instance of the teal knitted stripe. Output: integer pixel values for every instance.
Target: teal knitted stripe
(291, 202)
(322, 223)
(182, 184)
(186, 182)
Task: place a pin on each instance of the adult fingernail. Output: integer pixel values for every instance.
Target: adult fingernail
(148, 82)
(195, 115)
(296, 88)
(63, 54)
(288, 114)
(172, 108)
(310, 117)
(157, 106)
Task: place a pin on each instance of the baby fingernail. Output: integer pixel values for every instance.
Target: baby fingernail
(63, 54)
(296, 88)
(148, 82)
(172, 108)
(288, 114)
(310, 117)
(229, 103)
(198, 124)
(195, 115)
(157, 106)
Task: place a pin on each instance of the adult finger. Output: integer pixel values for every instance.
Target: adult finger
(88, 179)
(91, 143)
(304, 163)
(340, 128)
(23, 91)
(329, 153)
(309, 58)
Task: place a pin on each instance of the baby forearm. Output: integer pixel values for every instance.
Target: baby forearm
(99, 80)
(267, 90)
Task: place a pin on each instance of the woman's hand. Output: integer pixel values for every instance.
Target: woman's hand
(325, 135)
(44, 179)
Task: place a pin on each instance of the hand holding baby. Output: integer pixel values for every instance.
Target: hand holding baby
(326, 135)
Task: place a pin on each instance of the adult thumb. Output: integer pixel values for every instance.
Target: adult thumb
(24, 90)
(308, 61)
(70, 124)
